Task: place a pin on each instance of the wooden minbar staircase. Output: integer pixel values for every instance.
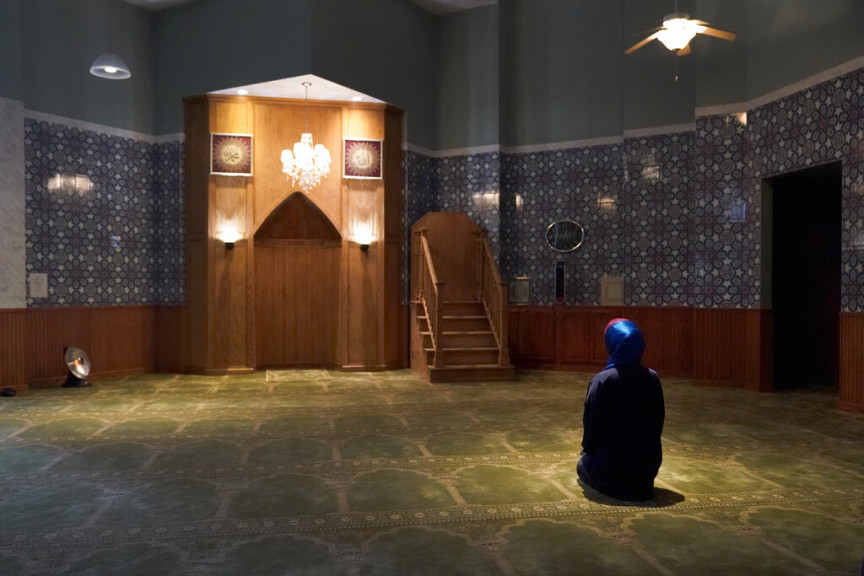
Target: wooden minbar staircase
(459, 303)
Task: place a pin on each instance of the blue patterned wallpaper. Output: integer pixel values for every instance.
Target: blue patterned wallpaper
(470, 184)
(816, 126)
(679, 215)
(103, 217)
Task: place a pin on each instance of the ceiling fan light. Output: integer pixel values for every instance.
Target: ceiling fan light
(677, 32)
(110, 66)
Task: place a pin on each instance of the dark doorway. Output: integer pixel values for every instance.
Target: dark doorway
(806, 224)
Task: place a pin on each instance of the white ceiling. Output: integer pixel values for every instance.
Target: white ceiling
(320, 89)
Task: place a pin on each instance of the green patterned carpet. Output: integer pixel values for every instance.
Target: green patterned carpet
(373, 474)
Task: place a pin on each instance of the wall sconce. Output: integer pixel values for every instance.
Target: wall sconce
(363, 233)
(230, 237)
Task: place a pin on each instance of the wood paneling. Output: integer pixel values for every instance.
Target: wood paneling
(297, 290)
(362, 305)
(721, 346)
(451, 238)
(668, 346)
(14, 341)
(297, 218)
(118, 339)
(226, 327)
(574, 336)
(227, 311)
(732, 347)
(170, 336)
(395, 318)
(197, 209)
(851, 361)
(298, 254)
(533, 337)
(278, 125)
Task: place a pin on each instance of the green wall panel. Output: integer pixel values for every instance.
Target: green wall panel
(60, 40)
(388, 49)
(216, 44)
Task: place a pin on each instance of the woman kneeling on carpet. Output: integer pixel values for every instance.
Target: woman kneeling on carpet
(623, 420)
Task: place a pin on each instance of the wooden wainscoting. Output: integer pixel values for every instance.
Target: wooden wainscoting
(297, 303)
(13, 348)
(571, 337)
(724, 347)
(118, 339)
(733, 347)
(851, 361)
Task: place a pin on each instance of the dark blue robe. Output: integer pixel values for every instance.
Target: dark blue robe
(623, 421)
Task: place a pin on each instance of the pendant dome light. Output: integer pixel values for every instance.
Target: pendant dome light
(109, 65)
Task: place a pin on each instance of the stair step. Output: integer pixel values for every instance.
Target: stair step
(462, 307)
(469, 367)
(473, 373)
(458, 324)
(469, 349)
(464, 356)
(465, 324)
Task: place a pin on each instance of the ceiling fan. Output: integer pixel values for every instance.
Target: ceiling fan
(678, 30)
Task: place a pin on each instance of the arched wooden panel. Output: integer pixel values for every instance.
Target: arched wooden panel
(297, 264)
(297, 218)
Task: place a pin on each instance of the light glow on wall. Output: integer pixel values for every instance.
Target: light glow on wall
(77, 184)
(230, 231)
(363, 222)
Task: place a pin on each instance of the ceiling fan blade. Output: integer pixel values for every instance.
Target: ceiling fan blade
(718, 33)
(683, 51)
(641, 44)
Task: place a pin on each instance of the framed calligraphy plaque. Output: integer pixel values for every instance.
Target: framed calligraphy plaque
(231, 154)
(362, 159)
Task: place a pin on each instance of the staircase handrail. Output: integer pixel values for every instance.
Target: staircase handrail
(432, 302)
(492, 291)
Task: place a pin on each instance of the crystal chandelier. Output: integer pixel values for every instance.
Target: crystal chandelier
(308, 164)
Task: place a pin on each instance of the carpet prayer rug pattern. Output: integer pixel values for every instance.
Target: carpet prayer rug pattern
(373, 474)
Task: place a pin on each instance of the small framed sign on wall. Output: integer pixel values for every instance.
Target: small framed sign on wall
(231, 154)
(362, 159)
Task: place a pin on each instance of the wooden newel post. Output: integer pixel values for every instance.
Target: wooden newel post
(504, 355)
(438, 358)
(418, 264)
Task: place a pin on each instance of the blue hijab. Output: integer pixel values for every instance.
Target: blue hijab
(624, 342)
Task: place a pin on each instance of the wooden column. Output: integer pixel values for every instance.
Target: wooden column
(218, 278)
